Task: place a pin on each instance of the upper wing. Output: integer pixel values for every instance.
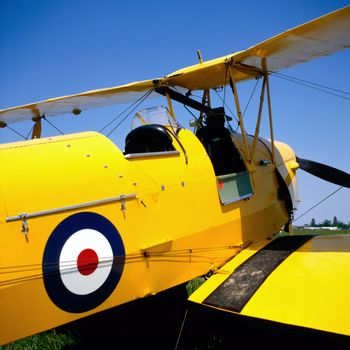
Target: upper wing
(295, 280)
(76, 103)
(319, 37)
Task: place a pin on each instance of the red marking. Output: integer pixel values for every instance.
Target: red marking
(221, 185)
(87, 262)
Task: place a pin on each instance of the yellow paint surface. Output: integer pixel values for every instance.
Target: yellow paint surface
(310, 288)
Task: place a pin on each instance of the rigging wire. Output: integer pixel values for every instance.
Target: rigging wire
(144, 97)
(34, 271)
(251, 96)
(125, 110)
(321, 201)
(189, 111)
(250, 99)
(16, 132)
(312, 85)
(321, 88)
(181, 330)
(53, 125)
(30, 131)
(224, 102)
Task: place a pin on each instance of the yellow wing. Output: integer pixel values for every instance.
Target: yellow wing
(76, 103)
(319, 37)
(295, 280)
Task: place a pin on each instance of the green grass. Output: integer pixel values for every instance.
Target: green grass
(319, 232)
(50, 340)
(192, 285)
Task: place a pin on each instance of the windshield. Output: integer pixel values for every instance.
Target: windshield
(154, 115)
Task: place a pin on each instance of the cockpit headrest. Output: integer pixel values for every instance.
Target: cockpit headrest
(148, 138)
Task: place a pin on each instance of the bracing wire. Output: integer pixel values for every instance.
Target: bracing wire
(321, 201)
(29, 132)
(34, 271)
(251, 96)
(249, 100)
(189, 111)
(57, 129)
(223, 99)
(181, 330)
(311, 85)
(16, 132)
(224, 102)
(142, 98)
(31, 129)
(321, 88)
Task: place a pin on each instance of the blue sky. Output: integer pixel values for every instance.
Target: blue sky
(55, 48)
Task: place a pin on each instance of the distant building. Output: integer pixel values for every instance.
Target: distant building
(330, 228)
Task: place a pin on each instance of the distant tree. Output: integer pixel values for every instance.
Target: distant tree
(335, 221)
(342, 225)
(326, 223)
(313, 222)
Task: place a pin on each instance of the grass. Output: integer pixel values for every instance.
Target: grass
(192, 285)
(319, 232)
(50, 340)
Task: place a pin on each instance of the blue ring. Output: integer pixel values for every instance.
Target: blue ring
(57, 291)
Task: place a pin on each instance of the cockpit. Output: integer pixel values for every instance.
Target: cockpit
(151, 132)
(217, 140)
(154, 131)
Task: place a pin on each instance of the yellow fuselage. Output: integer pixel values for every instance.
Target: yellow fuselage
(167, 211)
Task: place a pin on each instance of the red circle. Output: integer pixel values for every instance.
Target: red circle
(87, 262)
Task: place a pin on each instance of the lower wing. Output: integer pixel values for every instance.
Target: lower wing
(295, 280)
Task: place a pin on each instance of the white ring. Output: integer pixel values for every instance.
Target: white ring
(74, 281)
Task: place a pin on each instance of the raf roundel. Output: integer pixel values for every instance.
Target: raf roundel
(83, 261)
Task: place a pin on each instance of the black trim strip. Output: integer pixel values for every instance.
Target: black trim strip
(241, 285)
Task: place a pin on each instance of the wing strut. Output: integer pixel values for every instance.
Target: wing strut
(36, 128)
(239, 114)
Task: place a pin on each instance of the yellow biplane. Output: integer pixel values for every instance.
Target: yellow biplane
(94, 226)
